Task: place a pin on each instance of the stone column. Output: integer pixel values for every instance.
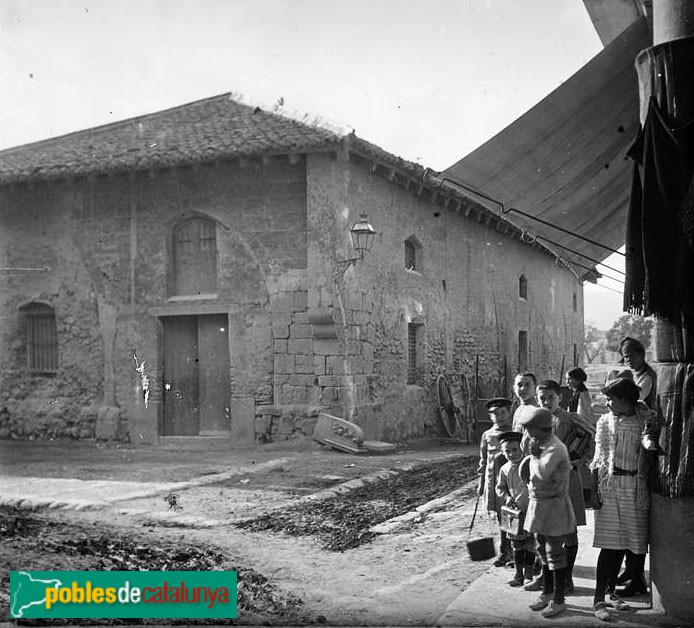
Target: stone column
(666, 74)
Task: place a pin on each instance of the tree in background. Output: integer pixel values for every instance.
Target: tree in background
(629, 325)
(593, 342)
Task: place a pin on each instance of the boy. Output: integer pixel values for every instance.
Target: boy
(513, 492)
(550, 515)
(549, 394)
(491, 461)
(524, 387)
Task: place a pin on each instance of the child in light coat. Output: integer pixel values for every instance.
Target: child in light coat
(550, 513)
(491, 460)
(513, 491)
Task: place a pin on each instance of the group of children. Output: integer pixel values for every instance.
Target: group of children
(526, 465)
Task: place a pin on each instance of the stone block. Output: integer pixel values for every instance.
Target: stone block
(334, 365)
(280, 331)
(108, 423)
(242, 420)
(280, 346)
(321, 317)
(296, 347)
(301, 318)
(294, 395)
(326, 347)
(379, 446)
(268, 410)
(297, 330)
(283, 302)
(338, 433)
(330, 380)
(303, 364)
(300, 301)
(325, 331)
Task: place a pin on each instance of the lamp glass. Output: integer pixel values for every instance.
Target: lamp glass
(363, 234)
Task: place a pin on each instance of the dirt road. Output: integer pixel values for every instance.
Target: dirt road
(406, 576)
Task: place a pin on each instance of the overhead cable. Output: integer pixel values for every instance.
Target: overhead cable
(571, 233)
(529, 238)
(428, 172)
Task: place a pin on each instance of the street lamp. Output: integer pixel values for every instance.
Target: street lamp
(363, 235)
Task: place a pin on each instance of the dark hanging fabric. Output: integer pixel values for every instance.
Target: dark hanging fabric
(660, 247)
(675, 472)
(660, 221)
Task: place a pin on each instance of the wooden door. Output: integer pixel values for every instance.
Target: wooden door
(196, 375)
(181, 376)
(213, 351)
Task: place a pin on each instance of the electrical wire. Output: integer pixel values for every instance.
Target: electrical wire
(608, 288)
(534, 237)
(441, 180)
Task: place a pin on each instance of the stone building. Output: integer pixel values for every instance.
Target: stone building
(183, 274)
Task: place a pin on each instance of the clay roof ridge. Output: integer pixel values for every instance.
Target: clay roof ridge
(278, 108)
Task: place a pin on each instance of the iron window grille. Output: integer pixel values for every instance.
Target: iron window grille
(41, 338)
(415, 353)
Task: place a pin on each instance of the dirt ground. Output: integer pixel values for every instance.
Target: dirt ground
(406, 577)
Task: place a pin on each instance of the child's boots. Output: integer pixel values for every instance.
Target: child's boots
(518, 559)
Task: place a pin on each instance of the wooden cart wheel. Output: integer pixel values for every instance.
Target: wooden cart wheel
(447, 409)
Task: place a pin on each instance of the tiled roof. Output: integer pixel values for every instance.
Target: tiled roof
(214, 128)
(217, 128)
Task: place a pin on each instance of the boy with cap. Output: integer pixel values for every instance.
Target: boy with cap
(491, 461)
(565, 422)
(513, 492)
(550, 514)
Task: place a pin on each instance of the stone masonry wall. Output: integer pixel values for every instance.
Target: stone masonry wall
(107, 241)
(308, 332)
(465, 294)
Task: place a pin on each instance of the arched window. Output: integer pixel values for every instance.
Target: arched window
(41, 337)
(195, 257)
(413, 254)
(522, 287)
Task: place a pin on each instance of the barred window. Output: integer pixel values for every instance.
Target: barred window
(415, 353)
(41, 338)
(195, 257)
(413, 254)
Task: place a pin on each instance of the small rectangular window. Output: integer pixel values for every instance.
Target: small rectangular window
(522, 351)
(413, 254)
(523, 287)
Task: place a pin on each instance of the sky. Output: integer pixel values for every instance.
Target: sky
(428, 80)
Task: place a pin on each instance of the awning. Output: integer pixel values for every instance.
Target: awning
(564, 161)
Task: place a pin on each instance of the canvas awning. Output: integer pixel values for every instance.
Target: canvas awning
(564, 161)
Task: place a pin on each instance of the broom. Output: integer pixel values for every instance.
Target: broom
(479, 549)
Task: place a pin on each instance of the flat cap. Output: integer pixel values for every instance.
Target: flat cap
(622, 388)
(510, 436)
(498, 402)
(539, 417)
